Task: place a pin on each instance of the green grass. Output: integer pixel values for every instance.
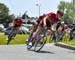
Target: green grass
(66, 40)
(21, 39)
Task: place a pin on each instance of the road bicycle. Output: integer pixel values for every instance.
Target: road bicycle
(39, 41)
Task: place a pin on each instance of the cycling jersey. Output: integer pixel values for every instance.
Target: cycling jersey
(40, 18)
(17, 22)
(53, 17)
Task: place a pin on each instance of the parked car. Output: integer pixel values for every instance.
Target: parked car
(23, 30)
(1, 27)
(7, 30)
(27, 25)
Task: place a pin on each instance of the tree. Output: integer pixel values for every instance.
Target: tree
(8, 20)
(3, 11)
(62, 5)
(68, 10)
(5, 17)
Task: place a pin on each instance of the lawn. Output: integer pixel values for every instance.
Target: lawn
(67, 41)
(21, 39)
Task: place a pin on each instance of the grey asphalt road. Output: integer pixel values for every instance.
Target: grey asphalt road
(49, 52)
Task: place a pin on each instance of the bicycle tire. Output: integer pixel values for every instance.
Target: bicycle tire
(43, 40)
(10, 36)
(28, 46)
(27, 43)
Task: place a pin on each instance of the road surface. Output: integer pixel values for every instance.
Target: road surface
(49, 52)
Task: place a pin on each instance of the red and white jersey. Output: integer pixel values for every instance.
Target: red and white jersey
(53, 17)
(40, 18)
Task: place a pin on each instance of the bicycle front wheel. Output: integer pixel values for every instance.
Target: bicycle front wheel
(39, 43)
(10, 36)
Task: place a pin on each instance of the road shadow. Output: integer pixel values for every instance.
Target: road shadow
(45, 52)
(72, 52)
(42, 51)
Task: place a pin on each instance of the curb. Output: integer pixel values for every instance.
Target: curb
(65, 46)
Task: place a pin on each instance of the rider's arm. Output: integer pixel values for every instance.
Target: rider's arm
(36, 22)
(44, 20)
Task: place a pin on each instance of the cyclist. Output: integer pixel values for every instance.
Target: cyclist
(17, 23)
(61, 29)
(48, 20)
(35, 24)
(72, 32)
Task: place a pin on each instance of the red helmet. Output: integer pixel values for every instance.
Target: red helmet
(60, 12)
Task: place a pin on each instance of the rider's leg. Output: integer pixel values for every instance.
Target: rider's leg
(9, 38)
(37, 31)
(11, 32)
(34, 35)
(71, 36)
(33, 28)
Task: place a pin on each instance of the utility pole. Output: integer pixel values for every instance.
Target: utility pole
(73, 10)
(73, 1)
(38, 8)
(74, 5)
(26, 16)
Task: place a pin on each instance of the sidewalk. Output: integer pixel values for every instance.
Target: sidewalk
(65, 46)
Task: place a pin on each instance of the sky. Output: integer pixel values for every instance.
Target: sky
(19, 7)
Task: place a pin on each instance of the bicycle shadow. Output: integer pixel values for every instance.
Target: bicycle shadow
(42, 51)
(45, 52)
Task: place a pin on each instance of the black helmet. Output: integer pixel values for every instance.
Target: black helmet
(60, 12)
